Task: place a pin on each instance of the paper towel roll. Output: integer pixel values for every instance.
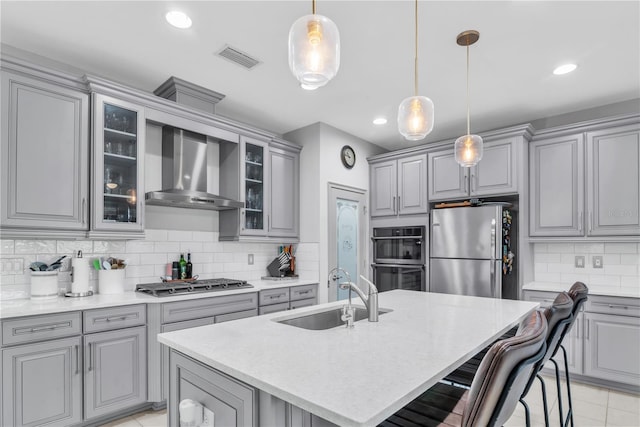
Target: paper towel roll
(190, 413)
(79, 275)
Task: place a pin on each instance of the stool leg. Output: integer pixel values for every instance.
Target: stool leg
(559, 392)
(527, 418)
(544, 401)
(566, 373)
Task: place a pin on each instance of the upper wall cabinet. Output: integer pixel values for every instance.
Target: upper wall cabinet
(495, 174)
(45, 157)
(586, 183)
(265, 175)
(118, 175)
(399, 186)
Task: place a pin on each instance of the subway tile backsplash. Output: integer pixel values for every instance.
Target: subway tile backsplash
(148, 258)
(555, 262)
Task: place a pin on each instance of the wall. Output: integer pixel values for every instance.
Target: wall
(319, 165)
(555, 262)
(147, 258)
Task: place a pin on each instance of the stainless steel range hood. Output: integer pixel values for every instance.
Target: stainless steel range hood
(184, 174)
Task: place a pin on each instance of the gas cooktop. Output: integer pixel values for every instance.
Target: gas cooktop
(173, 288)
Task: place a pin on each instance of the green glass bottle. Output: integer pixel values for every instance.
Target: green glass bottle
(183, 267)
(189, 266)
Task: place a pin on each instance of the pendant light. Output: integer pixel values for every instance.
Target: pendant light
(314, 50)
(415, 114)
(468, 148)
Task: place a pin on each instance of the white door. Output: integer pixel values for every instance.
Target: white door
(347, 236)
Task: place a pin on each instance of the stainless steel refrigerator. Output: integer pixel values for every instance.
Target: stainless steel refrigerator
(466, 253)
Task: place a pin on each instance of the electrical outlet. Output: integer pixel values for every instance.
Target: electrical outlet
(250, 259)
(12, 265)
(597, 261)
(208, 418)
(579, 261)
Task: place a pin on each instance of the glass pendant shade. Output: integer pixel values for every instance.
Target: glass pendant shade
(314, 50)
(415, 117)
(468, 150)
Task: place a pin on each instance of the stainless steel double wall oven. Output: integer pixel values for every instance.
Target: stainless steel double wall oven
(399, 258)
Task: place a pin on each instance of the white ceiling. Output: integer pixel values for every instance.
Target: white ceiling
(511, 80)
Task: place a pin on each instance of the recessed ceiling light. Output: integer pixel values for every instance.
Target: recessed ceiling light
(564, 69)
(380, 121)
(178, 19)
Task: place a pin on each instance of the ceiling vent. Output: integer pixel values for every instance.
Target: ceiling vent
(237, 56)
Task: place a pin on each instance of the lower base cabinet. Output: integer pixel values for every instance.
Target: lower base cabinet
(115, 375)
(603, 346)
(42, 383)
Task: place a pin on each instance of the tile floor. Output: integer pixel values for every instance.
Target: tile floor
(593, 407)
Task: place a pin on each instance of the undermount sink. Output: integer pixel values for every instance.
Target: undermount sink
(326, 319)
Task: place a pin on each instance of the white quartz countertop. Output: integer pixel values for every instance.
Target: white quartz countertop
(28, 307)
(360, 376)
(627, 292)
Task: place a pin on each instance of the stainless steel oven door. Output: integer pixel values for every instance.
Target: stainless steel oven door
(399, 276)
(399, 245)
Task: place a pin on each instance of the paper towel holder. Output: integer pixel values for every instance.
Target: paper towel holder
(73, 279)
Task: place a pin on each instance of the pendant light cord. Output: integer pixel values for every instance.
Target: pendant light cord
(313, 7)
(415, 65)
(468, 120)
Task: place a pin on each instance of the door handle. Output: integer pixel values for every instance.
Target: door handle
(90, 359)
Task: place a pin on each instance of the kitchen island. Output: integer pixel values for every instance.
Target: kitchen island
(261, 372)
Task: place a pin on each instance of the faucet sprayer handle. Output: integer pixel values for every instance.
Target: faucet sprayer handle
(345, 285)
(372, 287)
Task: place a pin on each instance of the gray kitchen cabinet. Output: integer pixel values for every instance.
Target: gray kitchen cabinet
(495, 174)
(234, 403)
(44, 158)
(42, 383)
(281, 299)
(585, 180)
(265, 175)
(613, 181)
(115, 370)
(612, 347)
(399, 186)
(117, 169)
(284, 203)
(556, 186)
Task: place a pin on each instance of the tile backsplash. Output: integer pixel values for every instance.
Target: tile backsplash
(148, 258)
(556, 262)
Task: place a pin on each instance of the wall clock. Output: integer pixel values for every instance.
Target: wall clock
(348, 156)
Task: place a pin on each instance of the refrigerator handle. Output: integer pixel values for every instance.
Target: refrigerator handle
(493, 258)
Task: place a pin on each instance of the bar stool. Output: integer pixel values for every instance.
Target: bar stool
(559, 316)
(579, 294)
(495, 390)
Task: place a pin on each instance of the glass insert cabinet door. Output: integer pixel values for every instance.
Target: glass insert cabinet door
(118, 152)
(254, 167)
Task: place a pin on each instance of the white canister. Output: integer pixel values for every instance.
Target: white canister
(44, 285)
(80, 275)
(111, 281)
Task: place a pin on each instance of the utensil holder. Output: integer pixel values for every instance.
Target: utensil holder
(44, 285)
(111, 281)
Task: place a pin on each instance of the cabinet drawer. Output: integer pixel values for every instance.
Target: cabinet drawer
(274, 308)
(303, 292)
(39, 328)
(237, 315)
(105, 319)
(274, 296)
(303, 303)
(613, 305)
(206, 307)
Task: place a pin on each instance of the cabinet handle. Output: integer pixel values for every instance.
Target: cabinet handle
(473, 181)
(90, 358)
(268, 224)
(590, 221)
(84, 203)
(47, 328)
(276, 296)
(626, 307)
(398, 204)
(466, 182)
(394, 205)
(580, 222)
(303, 292)
(578, 330)
(586, 335)
(77, 348)
(242, 219)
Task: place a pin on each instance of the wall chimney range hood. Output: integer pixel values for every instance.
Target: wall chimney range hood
(184, 174)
